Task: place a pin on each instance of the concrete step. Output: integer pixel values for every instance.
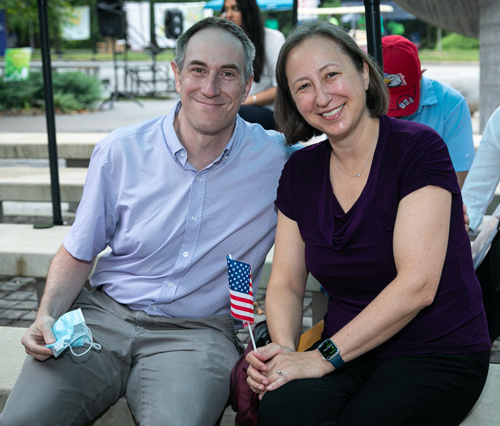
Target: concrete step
(26, 251)
(35, 145)
(33, 183)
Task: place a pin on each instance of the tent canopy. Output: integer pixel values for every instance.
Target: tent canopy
(263, 4)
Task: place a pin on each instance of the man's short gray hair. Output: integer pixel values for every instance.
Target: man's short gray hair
(218, 24)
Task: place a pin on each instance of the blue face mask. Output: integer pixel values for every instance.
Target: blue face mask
(70, 331)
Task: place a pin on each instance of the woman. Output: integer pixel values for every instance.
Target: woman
(258, 108)
(375, 214)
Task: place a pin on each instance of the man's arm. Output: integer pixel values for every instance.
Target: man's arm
(458, 138)
(484, 175)
(461, 178)
(65, 280)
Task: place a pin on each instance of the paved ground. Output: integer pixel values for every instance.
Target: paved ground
(123, 113)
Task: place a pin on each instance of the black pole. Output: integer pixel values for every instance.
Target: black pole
(374, 31)
(49, 111)
(295, 12)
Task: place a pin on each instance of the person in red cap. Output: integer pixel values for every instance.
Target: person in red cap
(417, 98)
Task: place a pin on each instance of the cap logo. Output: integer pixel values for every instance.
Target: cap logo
(404, 101)
(394, 80)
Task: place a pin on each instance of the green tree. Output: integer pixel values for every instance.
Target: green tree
(22, 17)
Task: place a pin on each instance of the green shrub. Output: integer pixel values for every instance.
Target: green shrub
(17, 94)
(72, 91)
(66, 102)
(456, 41)
(85, 88)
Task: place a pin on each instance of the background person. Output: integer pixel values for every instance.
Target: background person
(414, 97)
(259, 106)
(161, 194)
(375, 214)
(478, 192)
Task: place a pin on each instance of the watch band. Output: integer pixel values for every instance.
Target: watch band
(337, 361)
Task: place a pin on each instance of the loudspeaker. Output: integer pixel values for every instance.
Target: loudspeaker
(111, 18)
(174, 23)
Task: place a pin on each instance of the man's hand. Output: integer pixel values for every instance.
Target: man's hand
(258, 370)
(38, 335)
(466, 218)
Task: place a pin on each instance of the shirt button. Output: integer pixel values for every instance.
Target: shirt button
(170, 283)
(193, 219)
(154, 308)
(183, 154)
(198, 179)
(185, 254)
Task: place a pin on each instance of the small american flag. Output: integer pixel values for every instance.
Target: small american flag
(240, 290)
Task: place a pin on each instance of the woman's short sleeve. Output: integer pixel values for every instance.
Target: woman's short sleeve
(426, 161)
(283, 200)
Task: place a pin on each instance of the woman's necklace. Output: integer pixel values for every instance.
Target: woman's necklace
(363, 169)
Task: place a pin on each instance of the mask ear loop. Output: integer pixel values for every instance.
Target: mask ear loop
(97, 346)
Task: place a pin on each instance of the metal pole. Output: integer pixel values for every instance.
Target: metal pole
(295, 12)
(49, 111)
(373, 31)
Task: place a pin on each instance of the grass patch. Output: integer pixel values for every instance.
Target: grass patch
(449, 55)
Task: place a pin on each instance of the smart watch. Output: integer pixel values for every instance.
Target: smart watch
(331, 353)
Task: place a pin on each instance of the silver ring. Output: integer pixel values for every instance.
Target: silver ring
(279, 372)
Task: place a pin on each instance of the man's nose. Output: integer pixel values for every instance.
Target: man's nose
(210, 86)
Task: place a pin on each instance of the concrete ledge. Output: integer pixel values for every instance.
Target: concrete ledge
(33, 184)
(26, 251)
(35, 145)
(484, 412)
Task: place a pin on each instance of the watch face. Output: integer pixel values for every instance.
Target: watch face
(327, 349)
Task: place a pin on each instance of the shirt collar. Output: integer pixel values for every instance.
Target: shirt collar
(427, 94)
(178, 151)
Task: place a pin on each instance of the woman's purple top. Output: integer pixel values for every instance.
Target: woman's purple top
(351, 254)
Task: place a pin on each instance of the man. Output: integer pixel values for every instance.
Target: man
(417, 98)
(171, 197)
(478, 193)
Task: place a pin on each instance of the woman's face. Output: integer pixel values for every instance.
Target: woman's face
(232, 12)
(328, 90)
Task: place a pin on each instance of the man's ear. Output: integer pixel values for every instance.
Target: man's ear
(422, 73)
(177, 75)
(248, 86)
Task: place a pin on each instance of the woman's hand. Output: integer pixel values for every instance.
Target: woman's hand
(286, 367)
(275, 365)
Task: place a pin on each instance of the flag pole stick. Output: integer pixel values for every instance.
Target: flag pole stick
(251, 336)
